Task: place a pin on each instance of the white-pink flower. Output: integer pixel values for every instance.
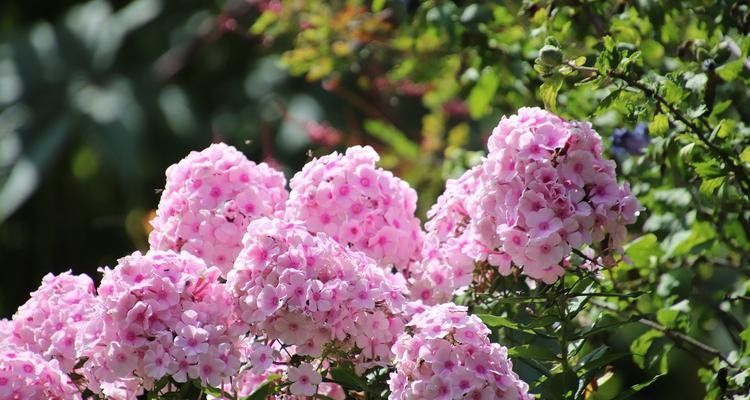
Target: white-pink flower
(305, 380)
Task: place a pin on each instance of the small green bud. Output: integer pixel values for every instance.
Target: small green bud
(550, 56)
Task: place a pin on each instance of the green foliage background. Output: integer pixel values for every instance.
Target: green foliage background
(97, 98)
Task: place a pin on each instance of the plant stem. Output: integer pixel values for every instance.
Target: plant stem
(680, 339)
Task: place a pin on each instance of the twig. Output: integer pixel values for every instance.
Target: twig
(678, 338)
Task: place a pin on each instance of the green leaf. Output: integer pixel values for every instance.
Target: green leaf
(731, 70)
(686, 151)
(708, 169)
(685, 242)
(482, 94)
(532, 351)
(640, 346)
(346, 377)
(659, 126)
(745, 155)
(548, 92)
(494, 321)
(393, 137)
(745, 336)
(377, 5)
(709, 186)
(265, 389)
(644, 251)
(637, 388)
(669, 316)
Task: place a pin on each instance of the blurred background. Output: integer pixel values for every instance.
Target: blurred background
(98, 98)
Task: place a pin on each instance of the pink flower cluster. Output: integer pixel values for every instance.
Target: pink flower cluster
(358, 205)
(209, 199)
(308, 291)
(49, 322)
(544, 189)
(447, 355)
(244, 280)
(25, 374)
(450, 250)
(160, 314)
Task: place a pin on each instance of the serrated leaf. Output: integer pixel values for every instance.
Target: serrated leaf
(548, 92)
(708, 169)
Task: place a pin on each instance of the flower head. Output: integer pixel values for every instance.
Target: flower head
(209, 199)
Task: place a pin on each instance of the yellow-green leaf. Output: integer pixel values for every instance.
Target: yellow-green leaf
(548, 92)
(659, 125)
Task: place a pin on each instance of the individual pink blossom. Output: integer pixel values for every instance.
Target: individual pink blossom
(359, 205)
(261, 358)
(209, 199)
(305, 380)
(437, 358)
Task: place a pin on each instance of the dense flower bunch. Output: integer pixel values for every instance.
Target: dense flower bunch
(244, 282)
(26, 374)
(160, 314)
(306, 290)
(544, 190)
(447, 355)
(48, 324)
(209, 199)
(359, 205)
(450, 250)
